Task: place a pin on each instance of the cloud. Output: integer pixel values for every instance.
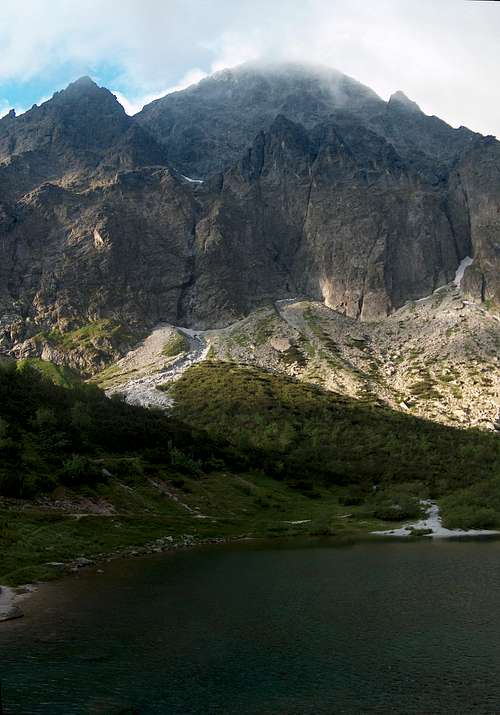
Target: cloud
(136, 103)
(442, 54)
(6, 106)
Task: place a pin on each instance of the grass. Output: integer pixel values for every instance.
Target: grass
(99, 342)
(87, 335)
(246, 505)
(58, 374)
(251, 451)
(302, 430)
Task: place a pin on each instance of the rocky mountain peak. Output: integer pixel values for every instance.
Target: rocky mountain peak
(207, 127)
(84, 95)
(399, 100)
(72, 130)
(83, 82)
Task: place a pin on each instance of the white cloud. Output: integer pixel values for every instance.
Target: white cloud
(136, 103)
(442, 54)
(6, 106)
(132, 106)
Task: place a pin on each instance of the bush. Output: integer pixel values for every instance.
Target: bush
(81, 470)
(184, 463)
(471, 517)
(300, 433)
(175, 345)
(400, 510)
(477, 507)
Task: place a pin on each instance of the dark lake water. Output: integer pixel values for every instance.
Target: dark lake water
(371, 628)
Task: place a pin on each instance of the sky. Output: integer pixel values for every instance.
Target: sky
(444, 54)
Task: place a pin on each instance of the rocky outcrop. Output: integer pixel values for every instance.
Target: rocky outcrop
(82, 133)
(120, 251)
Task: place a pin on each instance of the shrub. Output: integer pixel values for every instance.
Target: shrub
(175, 345)
(81, 470)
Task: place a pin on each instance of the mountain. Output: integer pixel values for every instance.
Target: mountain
(302, 277)
(258, 184)
(81, 130)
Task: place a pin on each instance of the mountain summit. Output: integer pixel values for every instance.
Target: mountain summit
(401, 101)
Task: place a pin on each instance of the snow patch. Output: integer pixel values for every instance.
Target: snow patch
(457, 281)
(464, 264)
(8, 611)
(434, 524)
(192, 181)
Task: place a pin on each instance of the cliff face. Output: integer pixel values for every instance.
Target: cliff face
(478, 176)
(313, 185)
(119, 251)
(342, 219)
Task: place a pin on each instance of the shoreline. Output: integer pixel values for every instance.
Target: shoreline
(9, 610)
(11, 595)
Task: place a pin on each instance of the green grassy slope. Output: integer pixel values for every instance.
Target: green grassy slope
(244, 453)
(305, 433)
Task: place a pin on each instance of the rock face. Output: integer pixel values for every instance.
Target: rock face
(337, 217)
(313, 185)
(478, 175)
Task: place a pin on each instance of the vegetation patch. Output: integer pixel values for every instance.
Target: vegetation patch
(301, 432)
(293, 356)
(253, 453)
(175, 345)
(474, 507)
(58, 374)
(88, 335)
(264, 329)
(425, 388)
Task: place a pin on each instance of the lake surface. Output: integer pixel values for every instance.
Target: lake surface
(371, 628)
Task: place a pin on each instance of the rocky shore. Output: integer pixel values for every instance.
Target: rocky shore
(8, 608)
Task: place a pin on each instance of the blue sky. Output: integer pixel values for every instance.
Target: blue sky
(441, 53)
